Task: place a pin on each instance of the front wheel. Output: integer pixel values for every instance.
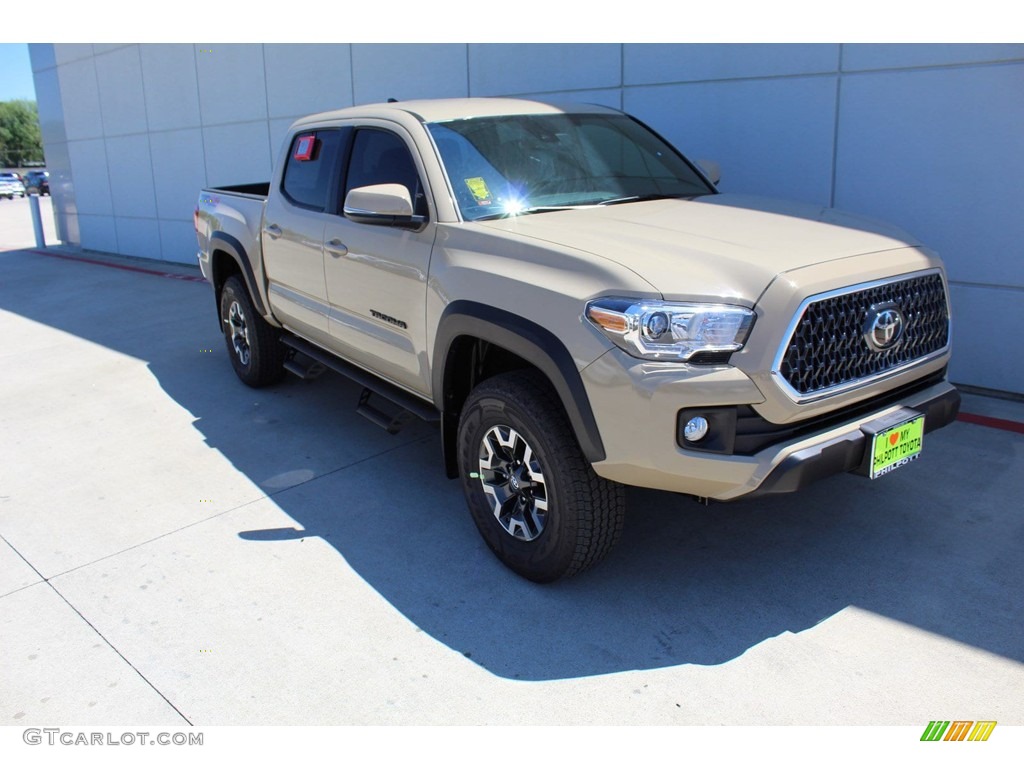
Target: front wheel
(533, 495)
(254, 346)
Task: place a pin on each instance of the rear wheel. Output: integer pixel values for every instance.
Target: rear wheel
(254, 345)
(533, 495)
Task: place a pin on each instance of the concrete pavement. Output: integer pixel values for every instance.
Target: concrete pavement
(177, 548)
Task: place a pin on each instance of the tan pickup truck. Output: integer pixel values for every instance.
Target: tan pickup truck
(580, 309)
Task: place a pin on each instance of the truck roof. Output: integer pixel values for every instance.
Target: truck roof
(438, 110)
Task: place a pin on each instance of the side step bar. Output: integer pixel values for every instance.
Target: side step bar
(390, 421)
(407, 404)
(304, 372)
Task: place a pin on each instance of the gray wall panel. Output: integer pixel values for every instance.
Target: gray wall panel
(236, 154)
(131, 176)
(535, 67)
(232, 85)
(65, 53)
(893, 55)
(302, 79)
(178, 241)
(138, 237)
(80, 93)
(748, 127)
(119, 78)
(91, 178)
(170, 85)
(987, 351)
(50, 106)
(99, 231)
(408, 71)
(941, 153)
(178, 171)
(666, 63)
(41, 56)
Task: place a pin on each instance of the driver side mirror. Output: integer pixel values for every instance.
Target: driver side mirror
(387, 204)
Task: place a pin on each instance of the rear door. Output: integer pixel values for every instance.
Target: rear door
(293, 230)
(377, 274)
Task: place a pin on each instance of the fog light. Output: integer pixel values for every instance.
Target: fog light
(695, 429)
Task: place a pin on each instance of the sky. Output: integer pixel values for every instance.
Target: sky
(15, 73)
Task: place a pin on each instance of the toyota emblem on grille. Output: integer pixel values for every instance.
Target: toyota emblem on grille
(883, 326)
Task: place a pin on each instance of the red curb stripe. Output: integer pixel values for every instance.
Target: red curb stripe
(125, 267)
(989, 421)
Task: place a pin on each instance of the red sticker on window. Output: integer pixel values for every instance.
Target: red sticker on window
(304, 147)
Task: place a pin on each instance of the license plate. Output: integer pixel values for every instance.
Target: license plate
(896, 446)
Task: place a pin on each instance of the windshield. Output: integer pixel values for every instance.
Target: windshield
(511, 165)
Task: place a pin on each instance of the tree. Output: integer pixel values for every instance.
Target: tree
(21, 141)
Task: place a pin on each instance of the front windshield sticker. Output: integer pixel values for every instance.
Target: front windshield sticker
(479, 189)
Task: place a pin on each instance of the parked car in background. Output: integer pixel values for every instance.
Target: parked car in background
(37, 182)
(11, 185)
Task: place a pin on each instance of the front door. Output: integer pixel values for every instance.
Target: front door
(377, 274)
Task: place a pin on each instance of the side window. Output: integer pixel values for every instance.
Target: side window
(311, 166)
(380, 157)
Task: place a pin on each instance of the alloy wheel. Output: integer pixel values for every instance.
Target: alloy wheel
(239, 330)
(513, 482)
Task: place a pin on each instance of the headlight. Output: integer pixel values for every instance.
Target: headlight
(660, 330)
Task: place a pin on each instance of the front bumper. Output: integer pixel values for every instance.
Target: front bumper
(848, 452)
(637, 405)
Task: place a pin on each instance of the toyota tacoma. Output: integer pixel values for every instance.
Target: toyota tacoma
(579, 309)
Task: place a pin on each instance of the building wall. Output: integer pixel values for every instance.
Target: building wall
(930, 137)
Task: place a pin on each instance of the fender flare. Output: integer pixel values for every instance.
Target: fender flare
(527, 340)
(222, 241)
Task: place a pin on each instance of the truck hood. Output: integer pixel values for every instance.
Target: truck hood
(721, 247)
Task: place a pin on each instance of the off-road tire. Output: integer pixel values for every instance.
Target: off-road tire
(584, 513)
(254, 346)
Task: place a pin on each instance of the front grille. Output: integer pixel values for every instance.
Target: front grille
(828, 348)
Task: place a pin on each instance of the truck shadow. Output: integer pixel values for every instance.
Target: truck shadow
(935, 545)
(687, 584)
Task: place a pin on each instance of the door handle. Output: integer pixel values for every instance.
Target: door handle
(336, 248)
(273, 231)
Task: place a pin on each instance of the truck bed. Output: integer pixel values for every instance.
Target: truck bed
(259, 189)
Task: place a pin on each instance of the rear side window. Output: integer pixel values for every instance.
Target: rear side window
(311, 168)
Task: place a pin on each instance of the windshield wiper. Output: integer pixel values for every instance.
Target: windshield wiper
(642, 198)
(588, 204)
(531, 209)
